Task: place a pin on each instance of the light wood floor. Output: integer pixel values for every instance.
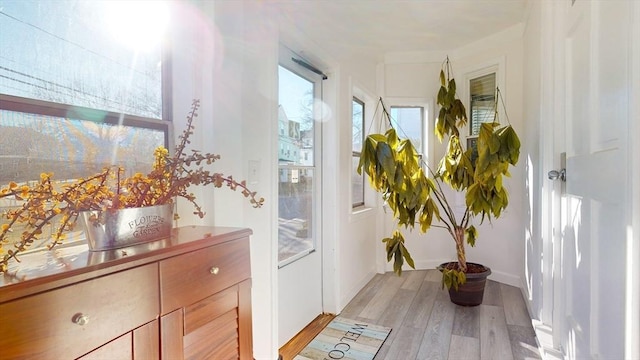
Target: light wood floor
(426, 325)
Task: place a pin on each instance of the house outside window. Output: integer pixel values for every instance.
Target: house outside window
(357, 134)
(74, 96)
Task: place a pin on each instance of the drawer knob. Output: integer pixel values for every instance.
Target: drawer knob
(214, 270)
(80, 319)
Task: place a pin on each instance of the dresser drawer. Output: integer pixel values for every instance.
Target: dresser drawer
(68, 322)
(191, 277)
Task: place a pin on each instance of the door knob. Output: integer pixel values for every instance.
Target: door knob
(555, 175)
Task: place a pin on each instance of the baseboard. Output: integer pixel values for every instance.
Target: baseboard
(505, 278)
(544, 337)
(344, 300)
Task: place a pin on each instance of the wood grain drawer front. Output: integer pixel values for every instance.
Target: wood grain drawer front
(191, 277)
(71, 321)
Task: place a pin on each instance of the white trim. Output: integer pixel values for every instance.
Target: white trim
(361, 212)
(348, 296)
(428, 138)
(632, 329)
(513, 33)
(495, 65)
(357, 90)
(415, 57)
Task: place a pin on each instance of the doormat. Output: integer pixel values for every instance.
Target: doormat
(345, 339)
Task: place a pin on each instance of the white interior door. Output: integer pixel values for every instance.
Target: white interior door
(590, 258)
(299, 200)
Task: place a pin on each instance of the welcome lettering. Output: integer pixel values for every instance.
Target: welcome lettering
(339, 350)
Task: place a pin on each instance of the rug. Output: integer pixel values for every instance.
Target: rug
(345, 339)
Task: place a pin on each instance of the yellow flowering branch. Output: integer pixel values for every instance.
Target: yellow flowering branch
(169, 178)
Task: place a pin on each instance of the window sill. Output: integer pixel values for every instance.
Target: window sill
(359, 213)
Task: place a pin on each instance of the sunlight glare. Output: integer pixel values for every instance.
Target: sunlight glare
(139, 25)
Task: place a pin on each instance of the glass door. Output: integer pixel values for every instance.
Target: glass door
(299, 196)
(296, 166)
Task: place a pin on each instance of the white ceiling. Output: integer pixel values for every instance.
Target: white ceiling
(374, 28)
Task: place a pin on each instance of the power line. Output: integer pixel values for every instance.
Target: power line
(71, 42)
(87, 96)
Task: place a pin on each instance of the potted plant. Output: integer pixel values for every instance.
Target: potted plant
(107, 193)
(417, 195)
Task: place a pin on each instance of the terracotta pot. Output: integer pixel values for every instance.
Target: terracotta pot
(471, 292)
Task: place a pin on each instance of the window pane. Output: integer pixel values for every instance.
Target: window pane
(31, 144)
(295, 119)
(357, 124)
(357, 184)
(482, 101)
(65, 51)
(408, 123)
(296, 199)
(295, 209)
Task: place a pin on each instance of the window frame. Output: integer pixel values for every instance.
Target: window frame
(40, 107)
(358, 154)
(428, 123)
(495, 65)
(61, 111)
(471, 119)
(286, 60)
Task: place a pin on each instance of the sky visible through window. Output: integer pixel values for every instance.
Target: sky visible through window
(64, 51)
(295, 96)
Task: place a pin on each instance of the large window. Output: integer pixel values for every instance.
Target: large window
(357, 135)
(77, 93)
(83, 53)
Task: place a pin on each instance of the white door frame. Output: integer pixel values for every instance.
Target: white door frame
(553, 132)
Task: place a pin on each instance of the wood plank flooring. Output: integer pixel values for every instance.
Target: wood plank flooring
(426, 325)
(289, 350)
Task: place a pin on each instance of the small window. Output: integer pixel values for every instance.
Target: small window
(357, 135)
(409, 124)
(482, 102)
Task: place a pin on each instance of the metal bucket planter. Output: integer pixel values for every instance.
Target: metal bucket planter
(112, 229)
(472, 291)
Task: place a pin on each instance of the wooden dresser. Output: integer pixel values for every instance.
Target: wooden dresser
(185, 297)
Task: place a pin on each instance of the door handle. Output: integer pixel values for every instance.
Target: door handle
(555, 175)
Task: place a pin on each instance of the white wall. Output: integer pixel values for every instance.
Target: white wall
(414, 76)
(531, 153)
(226, 54)
(221, 58)
(348, 256)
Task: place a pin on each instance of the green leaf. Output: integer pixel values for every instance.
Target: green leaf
(397, 251)
(392, 138)
(472, 235)
(442, 79)
(453, 278)
(442, 95)
(512, 142)
(407, 256)
(452, 86)
(386, 159)
(498, 183)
